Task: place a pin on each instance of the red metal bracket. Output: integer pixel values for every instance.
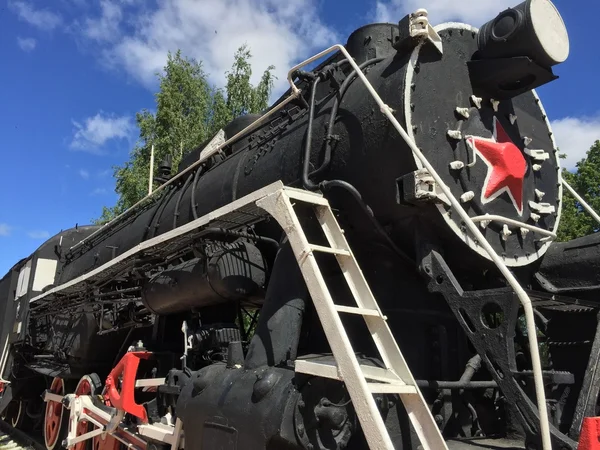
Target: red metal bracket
(589, 438)
(125, 400)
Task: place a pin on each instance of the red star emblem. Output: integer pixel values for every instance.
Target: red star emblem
(506, 166)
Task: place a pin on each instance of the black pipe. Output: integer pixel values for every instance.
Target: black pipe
(473, 366)
(181, 192)
(456, 385)
(165, 196)
(307, 147)
(160, 210)
(334, 110)
(280, 322)
(193, 198)
(326, 185)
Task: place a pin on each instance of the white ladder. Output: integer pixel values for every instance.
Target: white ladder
(396, 377)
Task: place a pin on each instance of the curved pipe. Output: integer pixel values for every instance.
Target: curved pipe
(193, 197)
(280, 322)
(306, 183)
(326, 185)
(176, 214)
(334, 110)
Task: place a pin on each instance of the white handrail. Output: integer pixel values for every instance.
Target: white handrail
(494, 218)
(522, 295)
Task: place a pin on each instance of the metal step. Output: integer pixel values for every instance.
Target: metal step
(333, 251)
(359, 311)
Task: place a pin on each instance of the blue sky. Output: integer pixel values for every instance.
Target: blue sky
(75, 72)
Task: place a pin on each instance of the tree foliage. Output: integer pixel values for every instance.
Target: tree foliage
(188, 111)
(575, 221)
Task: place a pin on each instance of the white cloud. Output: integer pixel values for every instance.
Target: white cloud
(38, 234)
(574, 137)
(40, 18)
(4, 229)
(104, 173)
(26, 44)
(84, 174)
(278, 33)
(473, 12)
(97, 130)
(105, 27)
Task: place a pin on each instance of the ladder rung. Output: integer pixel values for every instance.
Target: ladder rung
(329, 369)
(391, 388)
(359, 311)
(333, 251)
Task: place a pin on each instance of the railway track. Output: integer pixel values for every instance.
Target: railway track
(14, 439)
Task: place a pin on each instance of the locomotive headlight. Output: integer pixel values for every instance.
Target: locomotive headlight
(533, 29)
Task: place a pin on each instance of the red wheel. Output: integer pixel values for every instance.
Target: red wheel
(88, 385)
(109, 443)
(55, 419)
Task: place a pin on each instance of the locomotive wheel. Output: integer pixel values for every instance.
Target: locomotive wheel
(14, 414)
(108, 443)
(88, 385)
(92, 385)
(56, 419)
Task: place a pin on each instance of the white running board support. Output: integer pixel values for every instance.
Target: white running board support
(396, 377)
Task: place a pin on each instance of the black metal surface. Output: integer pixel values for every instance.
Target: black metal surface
(495, 342)
(228, 272)
(279, 325)
(506, 78)
(372, 41)
(237, 409)
(587, 403)
(572, 268)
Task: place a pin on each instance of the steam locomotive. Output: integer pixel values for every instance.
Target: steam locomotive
(221, 314)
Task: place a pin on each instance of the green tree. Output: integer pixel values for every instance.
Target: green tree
(575, 221)
(188, 111)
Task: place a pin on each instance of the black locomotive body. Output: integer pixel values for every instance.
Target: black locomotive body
(226, 315)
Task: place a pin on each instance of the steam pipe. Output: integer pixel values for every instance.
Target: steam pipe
(307, 148)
